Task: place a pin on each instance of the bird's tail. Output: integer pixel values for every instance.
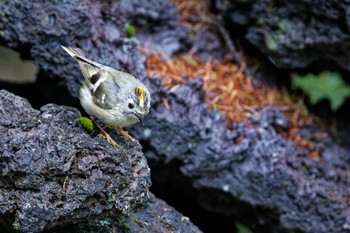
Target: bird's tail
(74, 52)
(88, 68)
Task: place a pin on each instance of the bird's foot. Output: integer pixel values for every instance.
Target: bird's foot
(104, 134)
(122, 132)
(108, 138)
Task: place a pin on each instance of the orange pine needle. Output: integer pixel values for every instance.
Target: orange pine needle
(229, 91)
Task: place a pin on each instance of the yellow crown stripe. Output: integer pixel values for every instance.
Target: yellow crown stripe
(140, 92)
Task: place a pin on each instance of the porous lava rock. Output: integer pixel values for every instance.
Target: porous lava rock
(262, 175)
(291, 34)
(54, 173)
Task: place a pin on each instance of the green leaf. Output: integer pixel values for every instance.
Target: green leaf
(86, 123)
(242, 229)
(326, 85)
(130, 30)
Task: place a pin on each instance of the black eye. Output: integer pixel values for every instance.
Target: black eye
(131, 105)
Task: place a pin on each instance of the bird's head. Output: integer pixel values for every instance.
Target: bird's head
(139, 102)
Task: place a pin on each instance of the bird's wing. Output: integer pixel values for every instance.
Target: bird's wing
(99, 79)
(106, 93)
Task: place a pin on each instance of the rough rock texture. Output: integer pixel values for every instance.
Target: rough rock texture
(157, 216)
(263, 171)
(159, 28)
(269, 175)
(158, 23)
(153, 217)
(53, 172)
(292, 34)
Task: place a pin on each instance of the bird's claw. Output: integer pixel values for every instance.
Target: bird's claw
(109, 139)
(122, 132)
(127, 135)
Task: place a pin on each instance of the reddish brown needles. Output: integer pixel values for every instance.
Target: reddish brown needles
(231, 92)
(228, 89)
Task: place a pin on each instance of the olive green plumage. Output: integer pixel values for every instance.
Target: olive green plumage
(116, 98)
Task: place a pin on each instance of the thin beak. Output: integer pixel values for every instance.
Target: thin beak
(140, 118)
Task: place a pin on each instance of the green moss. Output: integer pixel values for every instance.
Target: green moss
(273, 39)
(122, 220)
(260, 21)
(283, 24)
(111, 197)
(135, 219)
(124, 225)
(271, 44)
(4, 17)
(130, 30)
(16, 225)
(285, 183)
(86, 123)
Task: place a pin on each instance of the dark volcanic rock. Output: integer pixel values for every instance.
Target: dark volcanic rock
(159, 25)
(261, 171)
(153, 217)
(53, 173)
(160, 29)
(157, 216)
(143, 12)
(208, 45)
(292, 34)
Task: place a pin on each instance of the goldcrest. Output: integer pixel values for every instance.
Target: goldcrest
(116, 98)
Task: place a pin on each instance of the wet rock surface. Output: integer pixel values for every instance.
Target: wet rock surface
(294, 34)
(54, 173)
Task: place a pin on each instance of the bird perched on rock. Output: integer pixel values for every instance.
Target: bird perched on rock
(116, 98)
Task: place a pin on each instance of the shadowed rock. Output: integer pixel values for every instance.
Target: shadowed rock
(155, 216)
(158, 24)
(159, 28)
(262, 177)
(294, 34)
(53, 173)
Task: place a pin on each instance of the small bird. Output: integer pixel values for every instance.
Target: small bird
(116, 98)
